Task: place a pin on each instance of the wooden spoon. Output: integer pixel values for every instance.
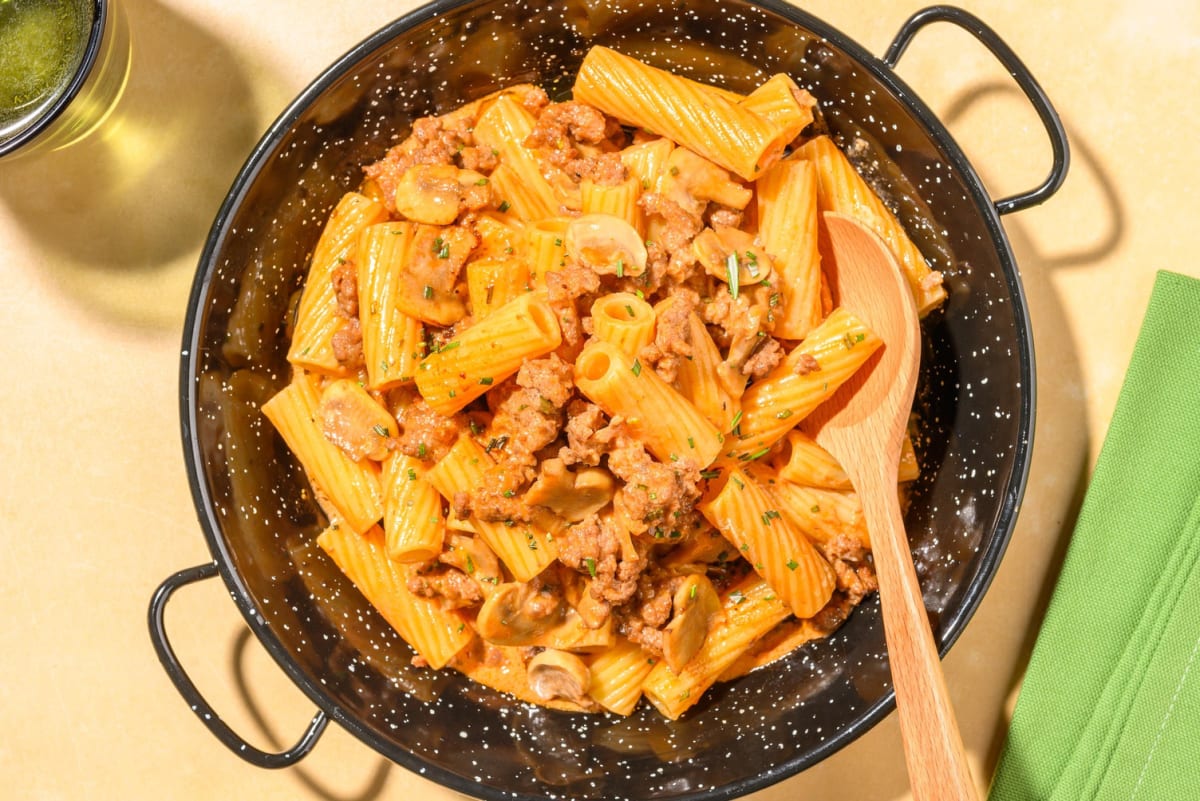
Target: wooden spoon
(863, 426)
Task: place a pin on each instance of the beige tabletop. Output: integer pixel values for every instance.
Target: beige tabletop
(97, 250)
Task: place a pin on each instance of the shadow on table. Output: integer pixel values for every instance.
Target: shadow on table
(1061, 463)
(378, 779)
(121, 215)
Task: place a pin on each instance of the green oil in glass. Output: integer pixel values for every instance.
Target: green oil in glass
(41, 46)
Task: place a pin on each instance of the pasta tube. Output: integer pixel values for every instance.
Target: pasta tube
(782, 103)
(351, 487)
(625, 320)
(843, 190)
(617, 676)
(618, 200)
(682, 110)
(699, 376)
(811, 373)
(526, 549)
(751, 609)
(436, 634)
(750, 519)
(647, 162)
(392, 340)
(787, 225)
(413, 523)
(808, 463)
(493, 282)
(547, 248)
(660, 418)
(488, 352)
(317, 318)
(504, 127)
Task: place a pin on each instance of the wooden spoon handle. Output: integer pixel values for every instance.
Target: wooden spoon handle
(933, 747)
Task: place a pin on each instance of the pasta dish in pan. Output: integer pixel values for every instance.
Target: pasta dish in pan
(551, 364)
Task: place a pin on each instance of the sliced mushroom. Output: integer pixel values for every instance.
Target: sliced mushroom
(606, 244)
(517, 614)
(572, 496)
(559, 674)
(593, 612)
(472, 556)
(434, 194)
(354, 421)
(429, 193)
(696, 604)
(693, 180)
(430, 289)
(722, 250)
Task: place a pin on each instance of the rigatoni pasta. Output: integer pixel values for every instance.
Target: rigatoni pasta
(317, 318)
(679, 109)
(490, 351)
(351, 487)
(551, 369)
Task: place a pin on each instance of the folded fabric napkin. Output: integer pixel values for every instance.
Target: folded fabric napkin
(1110, 705)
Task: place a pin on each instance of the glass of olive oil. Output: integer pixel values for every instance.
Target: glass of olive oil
(63, 66)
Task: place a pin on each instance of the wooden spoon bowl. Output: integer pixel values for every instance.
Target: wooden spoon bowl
(863, 426)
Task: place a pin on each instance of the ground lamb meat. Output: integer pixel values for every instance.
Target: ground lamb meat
(533, 98)
(345, 288)
(496, 499)
(603, 169)
(560, 122)
(550, 377)
(806, 363)
(672, 336)
(567, 134)
(523, 423)
(643, 619)
(855, 579)
(765, 359)
(347, 344)
(434, 140)
(572, 282)
(854, 572)
(655, 495)
(588, 437)
(563, 287)
(479, 158)
(680, 227)
(833, 614)
(720, 216)
(424, 433)
(594, 546)
(454, 589)
(740, 323)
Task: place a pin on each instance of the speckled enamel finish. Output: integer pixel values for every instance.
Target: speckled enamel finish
(975, 402)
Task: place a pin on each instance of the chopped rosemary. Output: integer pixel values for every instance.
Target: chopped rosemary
(731, 270)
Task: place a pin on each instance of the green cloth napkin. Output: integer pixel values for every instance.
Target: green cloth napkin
(1110, 705)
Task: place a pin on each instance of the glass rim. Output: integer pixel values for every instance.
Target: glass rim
(47, 117)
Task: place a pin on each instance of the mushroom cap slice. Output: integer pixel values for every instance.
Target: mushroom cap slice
(696, 605)
(606, 244)
(723, 249)
(517, 614)
(572, 496)
(354, 421)
(559, 674)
